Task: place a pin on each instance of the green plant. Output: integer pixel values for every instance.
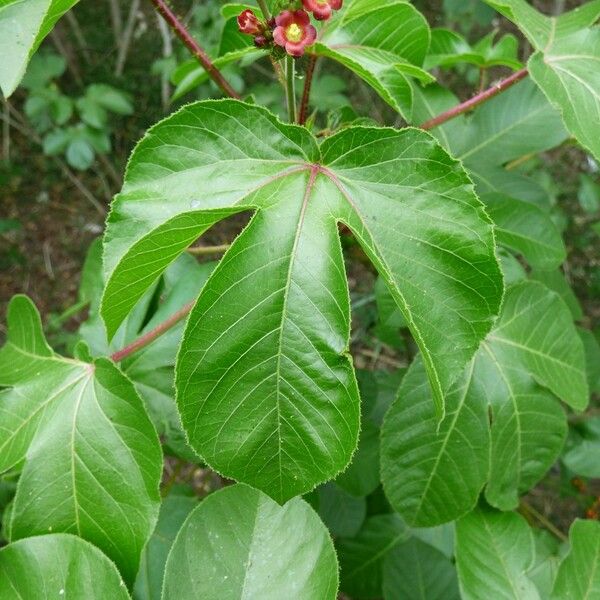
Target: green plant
(244, 366)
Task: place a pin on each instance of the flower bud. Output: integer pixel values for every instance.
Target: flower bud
(248, 23)
(321, 9)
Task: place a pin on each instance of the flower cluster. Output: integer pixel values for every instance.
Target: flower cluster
(291, 29)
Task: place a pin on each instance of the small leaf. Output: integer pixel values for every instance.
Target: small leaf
(58, 566)
(362, 557)
(239, 543)
(384, 45)
(494, 551)
(341, 512)
(578, 576)
(173, 512)
(23, 26)
(65, 418)
(414, 570)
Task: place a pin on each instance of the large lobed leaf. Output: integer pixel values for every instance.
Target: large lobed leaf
(92, 460)
(240, 544)
(434, 474)
(23, 26)
(265, 385)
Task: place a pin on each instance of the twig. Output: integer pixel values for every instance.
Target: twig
(126, 38)
(290, 89)
(184, 35)
(543, 521)
(74, 23)
(149, 337)
(6, 134)
(29, 133)
(117, 21)
(167, 50)
(67, 55)
(475, 100)
(310, 69)
(204, 250)
(110, 169)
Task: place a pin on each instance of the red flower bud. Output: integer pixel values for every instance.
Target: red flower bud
(294, 31)
(260, 41)
(321, 9)
(249, 23)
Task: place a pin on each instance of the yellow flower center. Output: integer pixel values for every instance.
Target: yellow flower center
(293, 33)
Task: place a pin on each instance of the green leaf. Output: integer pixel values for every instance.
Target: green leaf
(592, 358)
(189, 75)
(265, 395)
(568, 72)
(173, 512)
(494, 551)
(540, 29)
(92, 458)
(414, 570)
(80, 154)
(110, 98)
(449, 48)
(555, 280)
(240, 544)
(23, 26)
(58, 566)
(341, 512)
(588, 194)
(384, 45)
(151, 369)
(578, 576)
(362, 557)
(566, 63)
(527, 230)
(433, 475)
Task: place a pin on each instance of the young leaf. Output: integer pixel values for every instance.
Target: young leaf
(23, 26)
(433, 475)
(240, 544)
(264, 395)
(92, 458)
(578, 576)
(384, 45)
(54, 566)
(414, 570)
(494, 551)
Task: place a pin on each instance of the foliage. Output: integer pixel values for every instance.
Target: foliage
(334, 477)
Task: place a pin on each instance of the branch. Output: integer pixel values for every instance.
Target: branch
(204, 250)
(149, 337)
(310, 69)
(184, 35)
(475, 100)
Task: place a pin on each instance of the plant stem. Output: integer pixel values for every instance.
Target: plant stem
(475, 100)
(543, 521)
(125, 41)
(203, 250)
(184, 35)
(290, 91)
(310, 69)
(149, 337)
(264, 9)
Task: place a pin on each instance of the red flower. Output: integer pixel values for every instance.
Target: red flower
(293, 31)
(321, 9)
(249, 23)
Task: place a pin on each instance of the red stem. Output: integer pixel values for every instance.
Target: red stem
(184, 35)
(310, 69)
(149, 337)
(475, 100)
